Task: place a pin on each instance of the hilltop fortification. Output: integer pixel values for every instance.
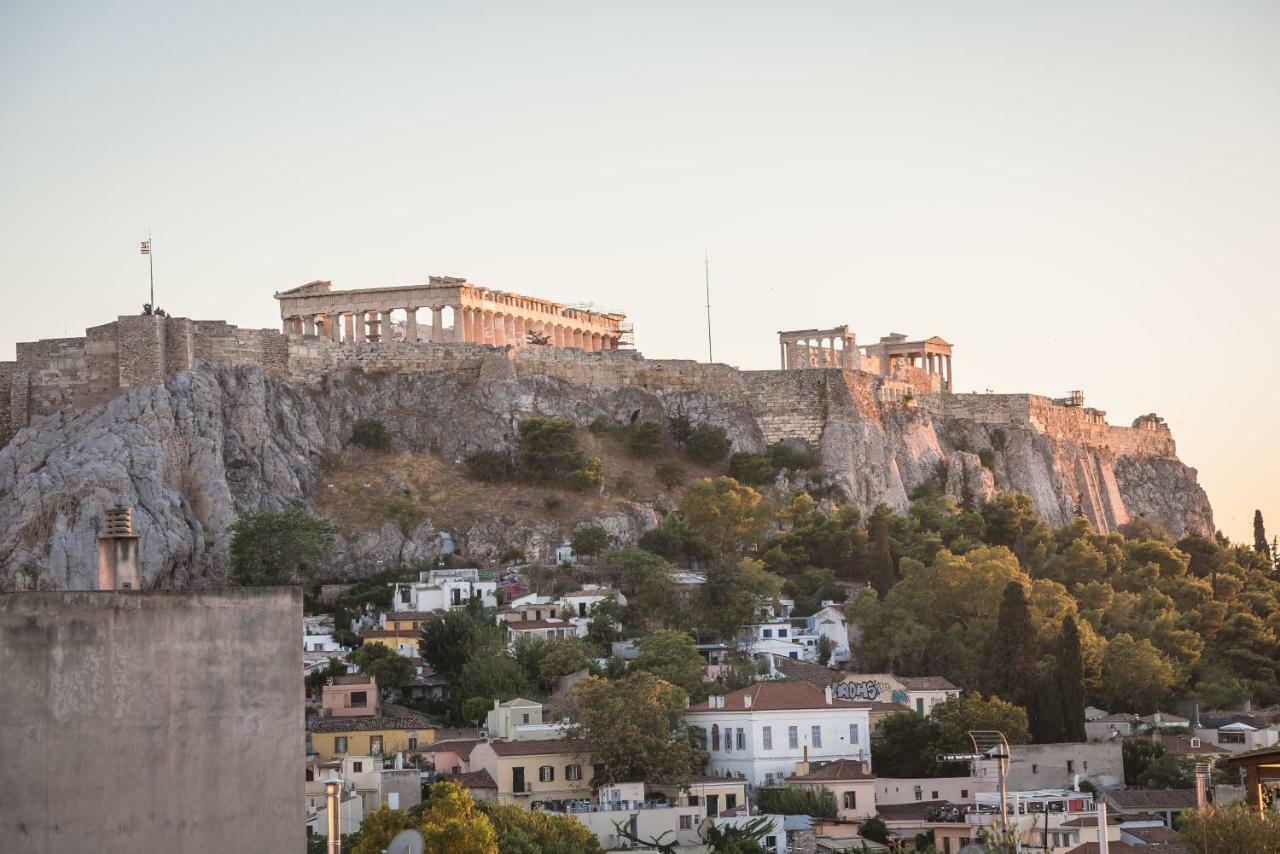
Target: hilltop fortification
(189, 421)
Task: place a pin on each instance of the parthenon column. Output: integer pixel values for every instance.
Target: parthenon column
(358, 319)
(951, 383)
(499, 330)
(437, 322)
(348, 323)
(334, 322)
(411, 324)
(309, 325)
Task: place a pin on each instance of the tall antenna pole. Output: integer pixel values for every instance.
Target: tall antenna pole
(706, 266)
(151, 266)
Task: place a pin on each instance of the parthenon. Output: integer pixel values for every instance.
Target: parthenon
(893, 356)
(460, 312)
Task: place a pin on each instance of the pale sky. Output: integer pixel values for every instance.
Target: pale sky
(1083, 196)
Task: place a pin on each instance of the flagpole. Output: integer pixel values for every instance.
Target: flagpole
(151, 267)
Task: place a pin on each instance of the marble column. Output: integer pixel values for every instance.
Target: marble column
(437, 322)
(309, 325)
(360, 321)
(411, 324)
(348, 325)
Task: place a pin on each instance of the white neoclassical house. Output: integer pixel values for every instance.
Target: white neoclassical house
(762, 732)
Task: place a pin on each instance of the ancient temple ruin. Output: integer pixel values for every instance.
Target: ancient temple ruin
(446, 310)
(925, 364)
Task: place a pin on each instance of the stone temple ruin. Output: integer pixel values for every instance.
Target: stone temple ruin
(920, 365)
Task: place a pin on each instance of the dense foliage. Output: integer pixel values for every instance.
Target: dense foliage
(275, 547)
(371, 434)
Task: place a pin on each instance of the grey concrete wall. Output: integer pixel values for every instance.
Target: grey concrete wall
(152, 722)
(1044, 766)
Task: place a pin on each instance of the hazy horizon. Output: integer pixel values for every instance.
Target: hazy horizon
(1079, 197)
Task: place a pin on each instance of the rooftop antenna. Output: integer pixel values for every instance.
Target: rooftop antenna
(706, 268)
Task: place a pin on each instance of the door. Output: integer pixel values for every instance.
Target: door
(517, 780)
(713, 805)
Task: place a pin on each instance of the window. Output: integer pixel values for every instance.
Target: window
(771, 843)
(573, 772)
(359, 699)
(730, 801)
(1230, 737)
(853, 734)
(1071, 766)
(694, 800)
(393, 800)
(310, 775)
(793, 737)
(919, 793)
(742, 739)
(920, 706)
(546, 774)
(686, 822)
(782, 633)
(413, 742)
(767, 737)
(517, 779)
(357, 767)
(933, 796)
(375, 745)
(964, 794)
(1035, 769)
(816, 736)
(1085, 765)
(851, 800)
(715, 736)
(340, 744)
(766, 633)
(713, 805)
(525, 717)
(793, 655)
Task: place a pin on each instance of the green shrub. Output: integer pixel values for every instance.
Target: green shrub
(988, 457)
(489, 466)
(998, 439)
(645, 439)
(751, 468)
(549, 450)
(401, 509)
(330, 463)
(680, 428)
(789, 455)
(795, 801)
(600, 425)
(512, 555)
(371, 434)
(590, 476)
(552, 503)
(670, 474)
(708, 444)
(590, 540)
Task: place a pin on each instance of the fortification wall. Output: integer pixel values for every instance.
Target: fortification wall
(1070, 423)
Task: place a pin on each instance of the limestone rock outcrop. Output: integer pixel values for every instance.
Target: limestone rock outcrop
(189, 454)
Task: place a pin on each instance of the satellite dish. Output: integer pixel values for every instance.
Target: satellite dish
(407, 842)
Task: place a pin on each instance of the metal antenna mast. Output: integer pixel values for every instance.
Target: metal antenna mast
(706, 267)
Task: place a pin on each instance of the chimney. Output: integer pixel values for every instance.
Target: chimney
(746, 701)
(802, 767)
(118, 552)
(826, 692)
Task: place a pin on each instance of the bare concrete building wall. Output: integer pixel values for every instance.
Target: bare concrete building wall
(152, 722)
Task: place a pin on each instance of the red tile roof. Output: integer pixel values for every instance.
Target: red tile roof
(841, 769)
(777, 696)
(462, 747)
(472, 779)
(537, 748)
(521, 625)
(1126, 800)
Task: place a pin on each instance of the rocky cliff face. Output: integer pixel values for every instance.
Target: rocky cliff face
(189, 454)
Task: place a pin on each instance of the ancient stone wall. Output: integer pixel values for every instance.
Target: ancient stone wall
(141, 343)
(179, 345)
(102, 359)
(56, 368)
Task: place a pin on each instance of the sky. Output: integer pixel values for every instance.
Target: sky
(1077, 195)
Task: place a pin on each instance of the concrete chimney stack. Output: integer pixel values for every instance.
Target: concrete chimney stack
(118, 567)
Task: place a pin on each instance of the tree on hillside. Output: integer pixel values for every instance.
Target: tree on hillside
(1011, 655)
(1136, 676)
(707, 443)
(452, 824)
(1070, 679)
(958, 715)
(1260, 544)
(590, 540)
(811, 587)
(732, 594)
(883, 575)
(277, 547)
(491, 676)
(904, 745)
(645, 579)
(379, 828)
(449, 641)
(728, 515)
(388, 667)
(523, 831)
(563, 658)
(634, 729)
(672, 656)
(548, 449)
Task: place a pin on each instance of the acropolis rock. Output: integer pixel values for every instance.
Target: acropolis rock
(201, 419)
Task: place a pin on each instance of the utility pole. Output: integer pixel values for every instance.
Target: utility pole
(706, 270)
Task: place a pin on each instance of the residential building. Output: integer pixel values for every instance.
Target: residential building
(778, 637)
(1111, 727)
(374, 779)
(713, 794)
(576, 605)
(1239, 737)
(625, 805)
(535, 774)
(543, 630)
(1165, 720)
(1181, 744)
(1053, 820)
(532, 606)
(442, 589)
(403, 641)
(351, 696)
(829, 622)
(760, 732)
(426, 685)
(450, 756)
(1063, 766)
(945, 820)
(520, 720)
(406, 621)
(848, 780)
(336, 737)
(1165, 803)
(774, 840)
(317, 635)
(918, 693)
(913, 790)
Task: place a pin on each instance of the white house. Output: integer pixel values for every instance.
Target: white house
(576, 605)
(829, 622)
(317, 635)
(442, 589)
(1238, 736)
(778, 637)
(761, 732)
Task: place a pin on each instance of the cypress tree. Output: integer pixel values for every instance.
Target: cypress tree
(883, 574)
(1260, 543)
(1011, 657)
(1070, 671)
(1045, 713)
